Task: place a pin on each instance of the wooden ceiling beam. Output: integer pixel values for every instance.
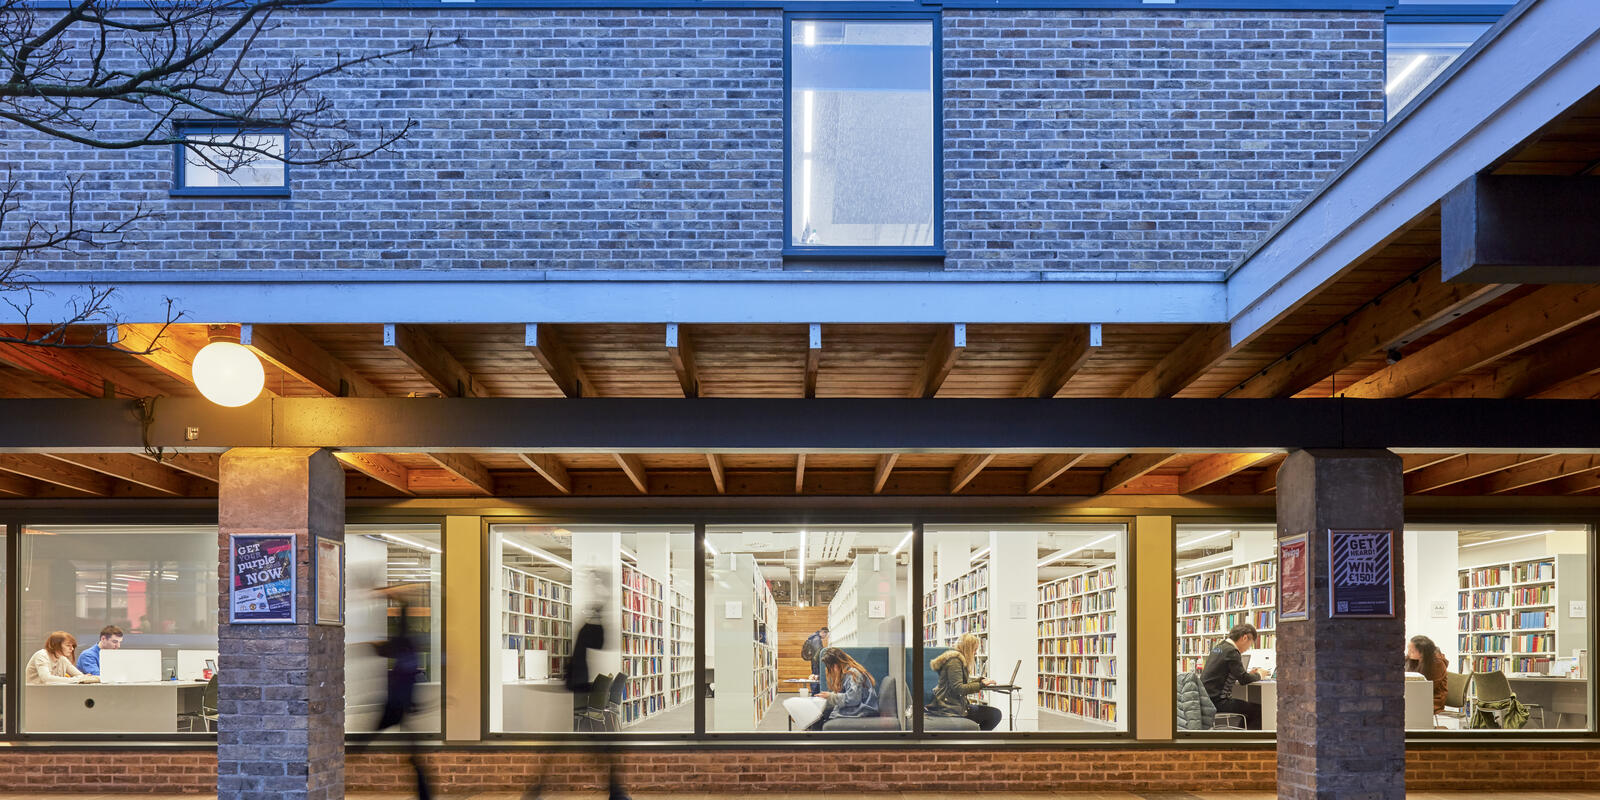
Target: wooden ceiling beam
(1545, 313)
(306, 361)
(551, 468)
(968, 468)
(1406, 312)
(207, 466)
(1267, 481)
(466, 468)
(1193, 357)
(880, 473)
(799, 473)
(169, 349)
(1538, 369)
(680, 348)
(1214, 468)
(1522, 476)
(564, 370)
(379, 467)
(431, 361)
(1132, 467)
(1465, 468)
(16, 485)
(1069, 354)
(49, 470)
(1576, 484)
(813, 357)
(131, 468)
(1050, 467)
(72, 370)
(633, 467)
(948, 344)
(714, 462)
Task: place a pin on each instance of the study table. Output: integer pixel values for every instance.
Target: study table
(143, 707)
(537, 706)
(1565, 701)
(1419, 703)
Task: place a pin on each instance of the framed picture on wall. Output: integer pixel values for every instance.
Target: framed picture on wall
(261, 579)
(1294, 589)
(330, 581)
(1361, 573)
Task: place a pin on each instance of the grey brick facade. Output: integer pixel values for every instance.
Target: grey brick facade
(653, 139)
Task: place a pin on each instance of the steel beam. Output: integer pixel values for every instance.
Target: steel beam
(1522, 229)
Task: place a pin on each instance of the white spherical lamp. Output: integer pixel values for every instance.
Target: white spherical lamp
(228, 374)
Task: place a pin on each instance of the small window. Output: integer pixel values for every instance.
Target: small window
(862, 136)
(228, 160)
(1419, 53)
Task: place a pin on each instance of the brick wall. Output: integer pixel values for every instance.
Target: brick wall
(737, 772)
(1074, 140)
(1118, 140)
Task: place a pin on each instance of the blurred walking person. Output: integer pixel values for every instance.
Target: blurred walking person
(589, 640)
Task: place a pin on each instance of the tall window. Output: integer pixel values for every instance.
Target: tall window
(392, 584)
(861, 134)
(1419, 53)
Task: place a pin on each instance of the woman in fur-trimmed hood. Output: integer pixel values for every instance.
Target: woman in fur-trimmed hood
(957, 680)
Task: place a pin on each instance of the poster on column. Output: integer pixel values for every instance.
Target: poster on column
(261, 570)
(1360, 573)
(1294, 593)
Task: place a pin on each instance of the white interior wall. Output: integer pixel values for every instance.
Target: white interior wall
(1431, 560)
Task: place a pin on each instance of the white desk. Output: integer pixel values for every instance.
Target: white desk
(108, 707)
(1419, 703)
(535, 707)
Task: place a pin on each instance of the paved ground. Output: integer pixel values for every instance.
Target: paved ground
(863, 796)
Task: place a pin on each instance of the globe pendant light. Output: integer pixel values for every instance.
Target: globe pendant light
(228, 374)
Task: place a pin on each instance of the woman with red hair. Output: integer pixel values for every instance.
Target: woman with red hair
(53, 663)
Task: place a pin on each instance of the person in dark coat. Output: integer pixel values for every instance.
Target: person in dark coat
(405, 670)
(954, 668)
(590, 638)
(1224, 673)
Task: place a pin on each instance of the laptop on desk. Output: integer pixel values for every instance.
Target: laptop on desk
(1008, 686)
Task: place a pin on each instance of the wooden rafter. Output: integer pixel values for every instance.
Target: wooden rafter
(1540, 315)
(380, 468)
(59, 473)
(813, 357)
(714, 462)
(1538, 369)
(1411, 309)
(564, 370)
(1132, 467)
(170, 349)
(305, 361)
(1267, 481)
(1214, 468)
(465, 468)
(1069, 354)
(16, 485)
(1576, 484)
(431, 361)
(799, 473)
(1050, 467)
(1533, 473)
(131, 468)
(1193, 357)
(1465, 468)
(948, 344)
(549, 466)
(880, 473)
(73, 372)
(633, 467)
(201, 465)
(968, 468)
(680, 348)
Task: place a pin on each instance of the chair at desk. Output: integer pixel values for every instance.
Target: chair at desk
(1492, 698)
(613, 714)
(207, 715)
(589, 711)
(1455, 697)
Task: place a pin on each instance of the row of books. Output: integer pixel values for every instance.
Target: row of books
(1079, 645)
(1095, 623)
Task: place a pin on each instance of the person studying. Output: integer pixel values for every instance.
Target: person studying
(53, 663)
(110, 639)
(954, 668)
(1225, 671)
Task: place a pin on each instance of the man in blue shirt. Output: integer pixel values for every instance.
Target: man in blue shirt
(110, 639)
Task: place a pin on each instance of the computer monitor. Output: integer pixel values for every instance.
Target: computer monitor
(192, 664)
(130, 666)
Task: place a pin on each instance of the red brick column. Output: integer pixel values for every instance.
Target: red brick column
(280, 687)
(1341, 687)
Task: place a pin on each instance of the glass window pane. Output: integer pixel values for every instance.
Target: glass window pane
(393, 585)
(1227, 579)
(1419, 53)
(861, 134)
(155, 584)
(636, 583)
(1507, 604)
(1056, 641)
(212, 167)
(847, 590)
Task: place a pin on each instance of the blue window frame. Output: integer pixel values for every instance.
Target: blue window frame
(863, 139)
(239, 162)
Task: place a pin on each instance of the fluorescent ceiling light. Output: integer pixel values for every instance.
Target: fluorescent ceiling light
(1416, 61)
(979, 554)
(1051, 559)
(1508, 538)
(537, 553)
(412, 543)
(1204, 561)
(713, 550)
(903, 543)
(802, 572)
(1207, 538)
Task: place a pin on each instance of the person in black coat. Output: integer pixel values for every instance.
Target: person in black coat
(1224, 672)
(590, 637)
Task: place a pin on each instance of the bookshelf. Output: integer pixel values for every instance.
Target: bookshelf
(536, 614)
(1211, 602)
(844, 619)
(644, 655)
(930, 618)
(680, 644)
(765, 648)
(745, 642)
(1078, 648)
(1515, 616)
(965, 609)
(866, 597)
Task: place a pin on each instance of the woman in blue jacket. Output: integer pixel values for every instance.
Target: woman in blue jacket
(851, 692)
